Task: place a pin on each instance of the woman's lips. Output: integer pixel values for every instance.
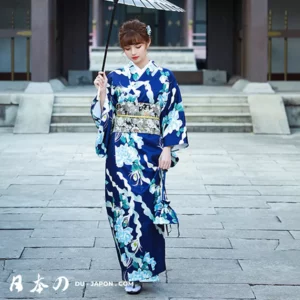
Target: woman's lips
(135, 57)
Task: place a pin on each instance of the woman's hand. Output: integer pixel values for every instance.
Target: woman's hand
(100, 83)
(165, 158)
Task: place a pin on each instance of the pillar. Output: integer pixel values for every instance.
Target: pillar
(255, 40)
(98, 22)
(43, 42)
(188, 23)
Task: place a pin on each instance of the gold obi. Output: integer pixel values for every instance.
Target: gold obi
(137, 117)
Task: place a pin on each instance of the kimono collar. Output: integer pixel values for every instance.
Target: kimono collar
(137, 73)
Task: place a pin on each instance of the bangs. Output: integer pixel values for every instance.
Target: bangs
(131, 38)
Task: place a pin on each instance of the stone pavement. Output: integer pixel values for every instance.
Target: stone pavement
(238, 200)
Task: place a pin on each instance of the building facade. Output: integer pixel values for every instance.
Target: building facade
(45, 39)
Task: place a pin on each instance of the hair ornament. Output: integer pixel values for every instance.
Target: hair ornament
(148, 28)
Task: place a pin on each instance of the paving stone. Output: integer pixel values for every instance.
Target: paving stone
(92, 215)
(193, 201)
(46, 242)
(295, 234)
(23, 201)
(285, 206)
(4, 186)
(68, 252)
(78, 195)
(81, 185)
(203, 264)
(220, 172)
(198, 191)
(19, 216)
(261, 225)
(288, 245)
(104, 242)
(229, 180)
(59, 149)
(191, 210)
(264, 149)
(43, 171)
(212, 158)
(37, 180)
(51, 210)
(47, 224)
(48, 264)
(79, 174)
(4, 275)
(255, 244)
(227, 202)
(276, 292)
(232, 190)
(250, 213)
(76, 233)
(15, 233)
(269, 175)
(264, 198)
(223, 276)
(30, 190)
(187, 220)
(186, 290)
(228, 254)
(270, 265)
(7, 252)
(236, 233)
(279, 190)
(197, 243)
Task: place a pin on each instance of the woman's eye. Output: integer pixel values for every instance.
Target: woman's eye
(138, 47)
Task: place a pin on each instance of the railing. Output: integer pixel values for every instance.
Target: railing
(12, 34)
(200, 50)
(285, 33)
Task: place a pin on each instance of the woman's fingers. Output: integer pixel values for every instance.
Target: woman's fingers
(100, 81)
(102, 74)
(164, 164)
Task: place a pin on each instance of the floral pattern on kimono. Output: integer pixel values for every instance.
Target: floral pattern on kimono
(136, 205)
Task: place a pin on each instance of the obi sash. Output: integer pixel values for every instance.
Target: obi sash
(139, 117)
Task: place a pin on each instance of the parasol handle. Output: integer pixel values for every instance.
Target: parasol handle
(109, 32)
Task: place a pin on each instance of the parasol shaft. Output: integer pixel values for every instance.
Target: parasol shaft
(109, 32)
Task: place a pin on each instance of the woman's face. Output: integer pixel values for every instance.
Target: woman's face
(137, 53)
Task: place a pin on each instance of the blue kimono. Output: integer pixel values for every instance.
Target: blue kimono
(142, 113)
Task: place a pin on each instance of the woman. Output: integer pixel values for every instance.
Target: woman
(141, 124)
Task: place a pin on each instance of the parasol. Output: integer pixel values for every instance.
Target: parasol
(154, 4)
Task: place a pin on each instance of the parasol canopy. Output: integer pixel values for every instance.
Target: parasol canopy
(152, 4)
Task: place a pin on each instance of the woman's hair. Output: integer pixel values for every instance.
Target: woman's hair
(133, 32)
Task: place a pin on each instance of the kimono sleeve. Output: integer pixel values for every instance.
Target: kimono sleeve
(173, 122)
(103, 120)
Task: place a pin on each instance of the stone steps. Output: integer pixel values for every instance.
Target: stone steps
(188, 107)
(190, 117)
(205, 113)
(192, 127)
(187, 98)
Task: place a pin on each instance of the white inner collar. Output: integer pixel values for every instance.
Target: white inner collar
(141, 71)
